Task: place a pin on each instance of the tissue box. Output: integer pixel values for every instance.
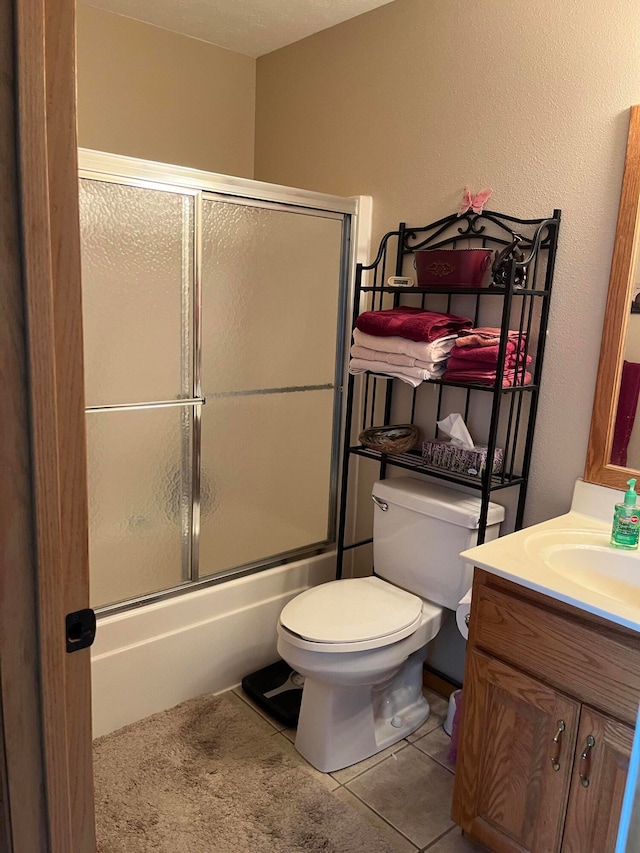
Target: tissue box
(440, 453)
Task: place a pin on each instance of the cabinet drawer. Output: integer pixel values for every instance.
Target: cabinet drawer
(583, 660)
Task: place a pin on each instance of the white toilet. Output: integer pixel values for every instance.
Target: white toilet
(361, 643)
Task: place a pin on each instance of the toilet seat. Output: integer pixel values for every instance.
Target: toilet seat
(350, 615)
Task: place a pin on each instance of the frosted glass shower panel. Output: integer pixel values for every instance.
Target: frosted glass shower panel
(266, 476)
(137, 276)
(139, 464)
(270, 296)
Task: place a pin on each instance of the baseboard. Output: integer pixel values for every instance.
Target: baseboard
(438, 682)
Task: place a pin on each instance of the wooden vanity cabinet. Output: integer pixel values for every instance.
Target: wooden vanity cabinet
(593, 812)
(550, 700)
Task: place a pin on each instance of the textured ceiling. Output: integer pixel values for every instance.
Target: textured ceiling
(252, 27)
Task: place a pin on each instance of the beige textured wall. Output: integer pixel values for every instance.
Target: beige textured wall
(150, 93)
(414, 100)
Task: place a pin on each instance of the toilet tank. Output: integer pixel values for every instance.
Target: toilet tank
(418, 538)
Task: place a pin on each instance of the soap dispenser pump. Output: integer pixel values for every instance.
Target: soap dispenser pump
(626, 521)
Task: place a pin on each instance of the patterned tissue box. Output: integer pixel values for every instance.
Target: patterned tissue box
(440, 453)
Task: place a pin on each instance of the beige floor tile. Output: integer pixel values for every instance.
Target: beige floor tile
(251, 712)
(439, 707)
(290, 734)
(410, 791)
(455, 842)
(239, 692)
(437, 744)
(399, 844)
(347, 773)
(325, 778)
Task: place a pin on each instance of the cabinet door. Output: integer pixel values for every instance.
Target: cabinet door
(597, 785)
(515, 759)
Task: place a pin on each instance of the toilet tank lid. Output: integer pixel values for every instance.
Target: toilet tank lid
(436, 501)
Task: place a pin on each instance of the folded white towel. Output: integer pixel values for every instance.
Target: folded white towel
(434, 351)
(389, 373)
(412, 375)
(396, 358)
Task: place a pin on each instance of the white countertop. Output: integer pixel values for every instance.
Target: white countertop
(510, 558)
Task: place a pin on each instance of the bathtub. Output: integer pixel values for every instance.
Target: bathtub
(151, 658)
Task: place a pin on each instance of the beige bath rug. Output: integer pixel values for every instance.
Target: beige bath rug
(204, 777)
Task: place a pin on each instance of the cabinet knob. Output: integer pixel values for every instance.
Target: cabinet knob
(557, 742)
(585, 761)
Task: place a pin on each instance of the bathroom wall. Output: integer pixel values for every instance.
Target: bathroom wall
(150, 93)
(414, 100)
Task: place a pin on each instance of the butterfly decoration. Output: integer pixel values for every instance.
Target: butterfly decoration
(474, 201)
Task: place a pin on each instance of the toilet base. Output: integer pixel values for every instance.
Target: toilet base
(340, 726)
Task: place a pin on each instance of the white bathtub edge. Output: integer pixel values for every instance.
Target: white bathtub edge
(154, 657)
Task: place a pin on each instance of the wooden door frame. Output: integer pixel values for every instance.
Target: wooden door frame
(44, 692)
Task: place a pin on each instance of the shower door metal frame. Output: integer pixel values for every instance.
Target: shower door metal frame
(204, 185)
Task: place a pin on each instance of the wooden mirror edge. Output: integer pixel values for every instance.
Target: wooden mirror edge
(598, 468)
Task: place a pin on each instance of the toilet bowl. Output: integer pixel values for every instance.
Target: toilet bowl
(361, 643)
(363, 688)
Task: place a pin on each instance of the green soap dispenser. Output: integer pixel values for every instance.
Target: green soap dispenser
(626, 521)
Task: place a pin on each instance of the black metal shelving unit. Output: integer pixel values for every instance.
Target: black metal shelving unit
(498, 416)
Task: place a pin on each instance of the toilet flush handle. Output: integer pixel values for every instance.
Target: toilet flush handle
(384, 506)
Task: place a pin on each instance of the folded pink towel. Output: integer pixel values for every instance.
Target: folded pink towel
(422, 350)
(411, 323)
(486, 353)
(486, 336)
(488, 377)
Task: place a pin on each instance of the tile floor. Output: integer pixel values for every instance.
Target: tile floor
(405, 790)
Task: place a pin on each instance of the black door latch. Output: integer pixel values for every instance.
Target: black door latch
(81, 629)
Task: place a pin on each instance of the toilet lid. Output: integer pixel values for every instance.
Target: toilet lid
(350, 611)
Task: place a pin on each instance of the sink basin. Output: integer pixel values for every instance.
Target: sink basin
(586, 558)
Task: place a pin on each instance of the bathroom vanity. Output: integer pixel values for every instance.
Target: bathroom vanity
(552, 695)
(551, 690)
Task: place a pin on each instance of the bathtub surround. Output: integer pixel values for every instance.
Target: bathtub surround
(205, 776)
(154, 657)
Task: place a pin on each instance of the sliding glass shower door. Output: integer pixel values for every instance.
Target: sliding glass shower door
(270, 305)
(192, 296)
(138, 274)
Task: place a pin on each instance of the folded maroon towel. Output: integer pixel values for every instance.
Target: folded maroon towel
(411, 323)
(488, 377)
(483, 358)
(481, 352)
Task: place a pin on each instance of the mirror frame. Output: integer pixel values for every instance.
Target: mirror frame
(598, 468)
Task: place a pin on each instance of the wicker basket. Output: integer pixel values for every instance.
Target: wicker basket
(390, 439)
